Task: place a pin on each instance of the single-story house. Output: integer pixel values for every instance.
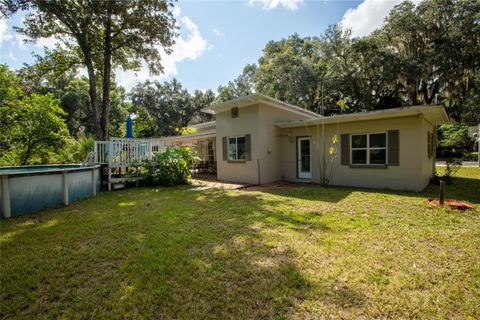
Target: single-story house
(257, 139)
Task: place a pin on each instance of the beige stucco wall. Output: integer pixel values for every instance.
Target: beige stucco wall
(411, 174)
(246, 123)
(266, 143)
(270, 149)
(427, 162)
(274, 150)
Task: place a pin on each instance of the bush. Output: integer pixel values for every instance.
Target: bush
(76, 151)
(454, 141)
(452, 166)
(168, 168)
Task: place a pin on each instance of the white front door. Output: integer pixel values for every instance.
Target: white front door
(304, 159)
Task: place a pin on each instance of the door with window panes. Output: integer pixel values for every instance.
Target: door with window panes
(304, 159)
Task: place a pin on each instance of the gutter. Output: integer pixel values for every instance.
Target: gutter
(363, 116)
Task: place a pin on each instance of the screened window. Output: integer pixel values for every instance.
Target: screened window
(236, 148)
(369, 148)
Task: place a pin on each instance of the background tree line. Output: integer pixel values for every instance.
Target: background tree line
(423, 54)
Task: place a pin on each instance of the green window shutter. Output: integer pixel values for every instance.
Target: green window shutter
(345, 149)
(225, 148)
(393, 148)
(248, 147)
(430, 144)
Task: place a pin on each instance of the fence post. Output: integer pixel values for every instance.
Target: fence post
(94, 182)
(6, 206)
(441, 197)
(110, 151)
(95, 151)
(65, 187)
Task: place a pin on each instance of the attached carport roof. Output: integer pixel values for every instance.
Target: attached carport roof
(256, 98)
(203, 125)
(435, 114)
(191, 136)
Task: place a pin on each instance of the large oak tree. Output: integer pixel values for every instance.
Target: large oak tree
(105, 35)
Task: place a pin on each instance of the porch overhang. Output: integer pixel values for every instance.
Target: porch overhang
(190, 138)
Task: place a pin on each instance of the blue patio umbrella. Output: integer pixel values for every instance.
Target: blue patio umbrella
(129, 133)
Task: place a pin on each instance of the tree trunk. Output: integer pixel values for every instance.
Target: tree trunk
(27, 154)
(92, 92)
(413, 94)
(107, 71)
(92, 82)
(429, 98)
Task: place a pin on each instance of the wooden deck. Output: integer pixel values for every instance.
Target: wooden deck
(121, 153)
(118, 154)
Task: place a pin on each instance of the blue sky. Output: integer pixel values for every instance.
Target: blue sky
(218, 38)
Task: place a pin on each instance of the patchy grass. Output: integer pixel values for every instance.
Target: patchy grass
(297, 253)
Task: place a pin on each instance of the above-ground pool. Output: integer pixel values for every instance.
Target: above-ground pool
(27, 189)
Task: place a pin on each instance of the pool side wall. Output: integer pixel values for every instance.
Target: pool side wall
(32, 192)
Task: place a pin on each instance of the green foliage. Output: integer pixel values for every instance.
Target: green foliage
(168, 168)
(418, 57)
(76, 103)
(10, 89)
(77, 150)
(469, 111)
(36, 130)
(100, 35)
(454, 136)
(243, 85)
(161, 108)
(451, 167)
(33, 126)
(118, 111)
(291, 70)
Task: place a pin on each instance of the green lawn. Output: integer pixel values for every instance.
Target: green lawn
(288, 252)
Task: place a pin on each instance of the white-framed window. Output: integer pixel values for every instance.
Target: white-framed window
(236, 148)
(369, 148)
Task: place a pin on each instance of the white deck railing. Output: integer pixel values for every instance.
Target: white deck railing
(158, 145)
(100, 150)
(122, 152)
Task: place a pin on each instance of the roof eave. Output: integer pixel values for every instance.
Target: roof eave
(207, 133)
(256, 98)
(373, 115)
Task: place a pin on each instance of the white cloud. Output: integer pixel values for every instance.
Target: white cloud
(367, 16)
(5, 35)
(273, 4)
(188, 47)
(218, 32)
(50, 42)
(11, 55)
(20, 41)
(176, 11)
